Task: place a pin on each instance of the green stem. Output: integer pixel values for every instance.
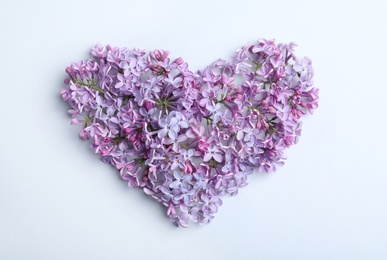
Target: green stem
(90, 84)
(98, 89)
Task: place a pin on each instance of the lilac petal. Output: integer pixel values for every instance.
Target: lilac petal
(168, 141)
(98, 113)
(114, 120)
(179, 197)
(183, 124)
(171, 210)
(164, 190)
(203, 102)
(181, 138)
(174, 166)
(186, 200)
(280, 163)
(175, 147)
(178, 80)
(172, 134)
(194, 218)
(181, 165)
(98, 99)
(173, 121)
(190, 134)
(190, 152)
(162, 122)
(184, 208)
(187, 178)
(224, 78)
(239, 135)
(211, 108)
(177, 174)
(119, 84)
(148, 191)
(205, 198)
(110, 111)
(175, 128)
(174, 185)
(162, 133)
(213, 207)
(85, 98)
(207, 157)
(123, 146)
(201, 130)
(218, 157)
(166, 198)
(216, 119)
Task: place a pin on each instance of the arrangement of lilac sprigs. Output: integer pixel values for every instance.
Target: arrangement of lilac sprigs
(185, 138)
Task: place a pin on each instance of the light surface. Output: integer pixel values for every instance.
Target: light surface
(59, 201)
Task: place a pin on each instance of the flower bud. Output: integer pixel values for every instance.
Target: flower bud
(203, 146)
(84, 135)
(104, 151)
(130, 166)
(148, 105)
(171, 210)
(76, 121)
(188, 167)
(107, 139)
(70, 71)
(179, 61)
(127, 130)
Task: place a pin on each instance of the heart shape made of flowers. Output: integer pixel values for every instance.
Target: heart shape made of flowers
(186, 138)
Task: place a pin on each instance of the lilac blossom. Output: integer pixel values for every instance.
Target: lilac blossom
(213, 153)
(169, 127)
(215, 112)
(187, 139)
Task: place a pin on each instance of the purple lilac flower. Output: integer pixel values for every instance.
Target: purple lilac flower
(213, 153)
(187, 139)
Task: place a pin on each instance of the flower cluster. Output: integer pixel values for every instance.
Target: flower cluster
(185, 138)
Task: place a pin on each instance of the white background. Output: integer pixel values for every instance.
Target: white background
(59, 201)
